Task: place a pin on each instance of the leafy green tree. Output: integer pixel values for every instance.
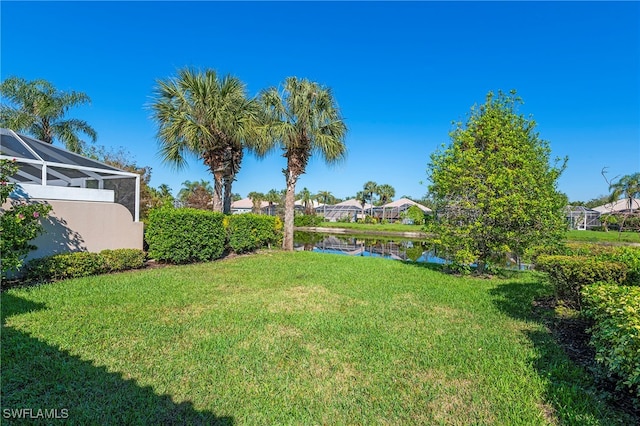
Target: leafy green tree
(39, 109)
(301, 120)
(210, 118)
(197, 195)
(494, 188)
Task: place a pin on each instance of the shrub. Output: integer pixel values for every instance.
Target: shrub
(616, 331)
(568, 274)
(307, 220)
(185, 235)
(82, 264)
(19, 223)
(123, 259)
(248, 232)
(628, 255)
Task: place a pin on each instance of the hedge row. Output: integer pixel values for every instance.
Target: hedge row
(191, 235)
(82, 264)
(185, 235)
(568, 274)
(248, 232)
(616, 331)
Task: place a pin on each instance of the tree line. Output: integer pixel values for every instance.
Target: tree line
(493, 188)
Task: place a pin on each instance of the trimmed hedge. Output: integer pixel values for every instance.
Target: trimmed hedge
(248, 232)
(185, 235)
(568, 274)
(82, 264)
(616, 332)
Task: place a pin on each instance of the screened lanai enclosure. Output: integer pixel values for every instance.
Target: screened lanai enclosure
(582, 218)
(95, 206)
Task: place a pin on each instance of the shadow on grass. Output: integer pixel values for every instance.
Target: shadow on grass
(570, 391)
(38, 376)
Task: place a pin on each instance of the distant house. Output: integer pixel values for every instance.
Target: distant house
(246, 206)
(94, 206)
(581, 218)
(624, 205)
(394, 209)
(347, 209)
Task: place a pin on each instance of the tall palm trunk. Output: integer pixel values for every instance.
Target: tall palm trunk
(296, 163)
(289, 210)
(233, 159)
(218, 176)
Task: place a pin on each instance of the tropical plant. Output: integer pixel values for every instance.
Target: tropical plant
(39, 109)
(302, 120)
(370, 189)
(210, 118)
(325, 197)
(306, 198)
(273, 197)
(361, 197)
(494, 187)
(385, 194)
(197, 195)
(256, 198)
(627, 187)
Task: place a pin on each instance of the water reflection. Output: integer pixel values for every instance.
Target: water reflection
(390, 248)
(398, 249)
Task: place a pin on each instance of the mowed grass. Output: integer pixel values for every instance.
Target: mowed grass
(604, 237)
(291, 338)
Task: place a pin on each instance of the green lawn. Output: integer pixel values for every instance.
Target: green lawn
(604, 237)
(291, 338)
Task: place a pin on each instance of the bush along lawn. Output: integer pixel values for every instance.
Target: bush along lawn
(603, 284)
(292, 338)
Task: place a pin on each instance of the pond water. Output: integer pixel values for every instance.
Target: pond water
(390, 248)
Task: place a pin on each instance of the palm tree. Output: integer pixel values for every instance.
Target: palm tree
(628, 187)
(273, 197)
(307, 200)
(325, 197)
(361, 196)
(302, 119)
(385, 193)
(256, 198)
(39, 110)
(369, 189)
(197, 195)
(211, 118)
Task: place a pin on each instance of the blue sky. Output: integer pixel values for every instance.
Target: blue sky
(400, 72)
